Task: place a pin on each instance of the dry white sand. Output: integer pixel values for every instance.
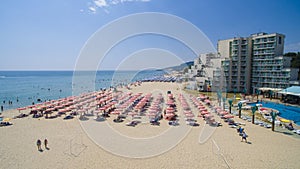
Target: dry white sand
(70, 146)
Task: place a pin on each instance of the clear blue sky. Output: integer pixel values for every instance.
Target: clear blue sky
(48, 35)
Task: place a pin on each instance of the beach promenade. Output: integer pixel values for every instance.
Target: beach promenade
(73, 143)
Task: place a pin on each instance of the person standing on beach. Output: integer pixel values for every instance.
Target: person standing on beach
(46, 143)
(2, 108)
(39, 143)
(244, 136)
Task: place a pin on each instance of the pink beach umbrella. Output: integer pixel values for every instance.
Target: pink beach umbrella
(190, 115)
(170, 111)
(169, 115)
(204, 112)
(208, 115)
(116, 112)
(207, 101)
(228, 116)
(132, 113)
(224, 113)
(151, 114)
(170, 108)
(102, 108)
(170, 102)
(201, 107)
(152, 111)
(187, 112)
(21, 108)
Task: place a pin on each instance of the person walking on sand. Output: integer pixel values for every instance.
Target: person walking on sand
(39, 143)
(244, 136)
(46, 143)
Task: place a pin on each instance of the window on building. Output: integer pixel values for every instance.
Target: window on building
(279, 40)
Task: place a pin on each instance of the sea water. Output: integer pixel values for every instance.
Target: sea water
(24, 88)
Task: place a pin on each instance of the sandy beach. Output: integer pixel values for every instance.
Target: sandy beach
(73, 143)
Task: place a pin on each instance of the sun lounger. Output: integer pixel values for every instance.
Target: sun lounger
(192, 123)
(21, 115)
(74, 113)
(3, 123)
(267, 125)
(289, 127)
(83, 117)
(37, 115)
(99, 118)
(118, 120)
(68, 117)
(173, 123)
(132, 123)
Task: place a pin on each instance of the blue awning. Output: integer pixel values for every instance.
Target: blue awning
(294, 90)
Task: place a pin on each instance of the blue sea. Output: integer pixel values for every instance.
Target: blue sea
(23, 88)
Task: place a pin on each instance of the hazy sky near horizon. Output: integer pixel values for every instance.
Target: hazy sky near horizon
(49, 35)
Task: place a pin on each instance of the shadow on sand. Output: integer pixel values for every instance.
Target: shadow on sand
(285, 132)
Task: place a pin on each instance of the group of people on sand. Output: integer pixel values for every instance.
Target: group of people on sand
(39, 144)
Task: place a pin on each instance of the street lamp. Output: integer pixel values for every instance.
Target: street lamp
(234, 91)
(273, 114)
(230, 104)
(240, 104)
(219, 97)
(257, 93)
(254, 108)
(270, 94)
(224, 100)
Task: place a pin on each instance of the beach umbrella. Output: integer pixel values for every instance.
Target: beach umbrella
(169, 115)
(190, 115)
(62, 110)
(151, 114)
(204, 112)
(21, 108)
(224, 113)
(152, 111)
(208, 115)
(201, 107)
(115, 112)
(170, 108)
(228, 116)
(34, 109)
(187, 112)
(207, 101)
(170, 111)
(31, 106)
(102, 108)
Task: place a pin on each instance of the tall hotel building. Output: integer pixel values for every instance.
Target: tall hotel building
(255, 62)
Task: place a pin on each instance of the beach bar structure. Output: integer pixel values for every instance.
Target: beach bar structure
(291, 95)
